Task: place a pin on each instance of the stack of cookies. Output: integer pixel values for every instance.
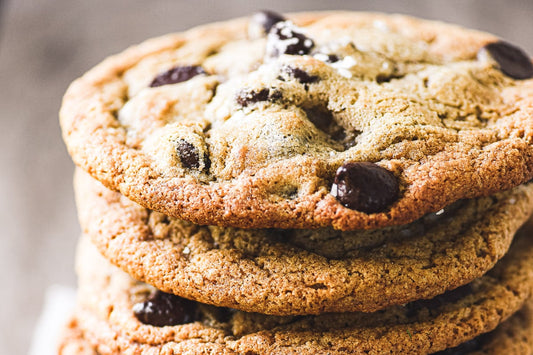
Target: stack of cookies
(318, 183)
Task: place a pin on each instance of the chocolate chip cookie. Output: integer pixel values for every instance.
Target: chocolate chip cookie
(512, 337)
(117, 314)
(284, 272)
(337, 119)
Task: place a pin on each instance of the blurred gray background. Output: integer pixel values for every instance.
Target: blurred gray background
(46, 44)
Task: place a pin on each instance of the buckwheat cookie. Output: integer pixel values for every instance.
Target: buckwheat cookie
(119, 315)
(284, 272)
(342, 119)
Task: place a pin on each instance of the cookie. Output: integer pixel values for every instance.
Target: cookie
(72, 341)
(512, 337)
(342, 119)
(284, 272)
(115, 315)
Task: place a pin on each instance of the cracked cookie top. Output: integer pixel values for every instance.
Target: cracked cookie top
(349, 120)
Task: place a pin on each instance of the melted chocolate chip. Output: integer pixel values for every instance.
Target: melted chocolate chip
(285, 38)
(188, 154)
(513, 61)
(300, 75)
(177, 75)
(382, 78)
(266, 19)
(365, 187)
(332, 58)
(163, 309)
(248, 96)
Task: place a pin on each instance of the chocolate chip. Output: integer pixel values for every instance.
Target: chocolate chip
(188, 154)
(177, 75)
(385, 78)
(332, 58)
(300, 75)
(249, 96)
(365, 187)
(266, 19)
(163, 309)
(285, 38)
(513, 61)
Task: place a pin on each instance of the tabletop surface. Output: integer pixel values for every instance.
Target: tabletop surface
(44, 45)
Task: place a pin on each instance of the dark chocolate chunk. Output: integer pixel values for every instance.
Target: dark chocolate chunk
(285, 38)
(300, 75)
(513, 61)
(177, 75)
(266, 19)
(365, 187)
(383, 78)
(188, 154)
(248, 96)
(332, 58)
(163, 309)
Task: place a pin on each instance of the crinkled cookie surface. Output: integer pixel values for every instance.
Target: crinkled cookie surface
(349, 120)
(297, 272)
(513, 337)
(118, 315)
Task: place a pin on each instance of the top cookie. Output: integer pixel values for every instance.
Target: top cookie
(350, 120)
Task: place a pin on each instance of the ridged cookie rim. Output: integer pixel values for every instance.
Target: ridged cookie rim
(498, 295)
(257, 283)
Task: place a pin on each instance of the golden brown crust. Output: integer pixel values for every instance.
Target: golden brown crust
(302, 271)
(513, 337)
(105, 317)
(437, 160)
